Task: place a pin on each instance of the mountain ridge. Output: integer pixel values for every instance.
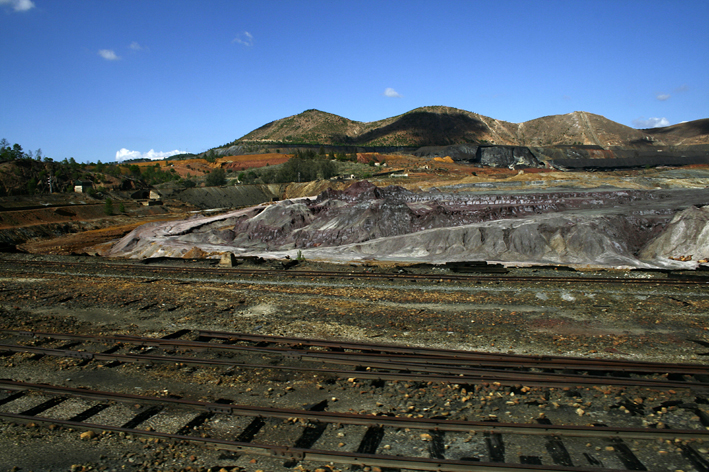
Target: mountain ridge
(442, 125)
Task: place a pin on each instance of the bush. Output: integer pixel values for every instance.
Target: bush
(216, 178)
(304, 167)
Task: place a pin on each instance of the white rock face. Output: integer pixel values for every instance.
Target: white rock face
(686, 235)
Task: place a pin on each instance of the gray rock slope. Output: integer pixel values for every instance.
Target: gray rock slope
(603, 228)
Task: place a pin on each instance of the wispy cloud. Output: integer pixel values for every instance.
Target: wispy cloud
(245, 38)
(108, 54)
(19, 5)
(663, 96)
(682, 88)
(125, 154)
(650, 122)
(391, 93)
(135, 46)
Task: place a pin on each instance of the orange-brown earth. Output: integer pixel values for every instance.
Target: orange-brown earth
(198, 167)
(238, 163)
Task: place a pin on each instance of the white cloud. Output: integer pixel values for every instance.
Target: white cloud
(651, 122)
(108, 54)
(390, 92)
(245, 38)
(663, 96)
(19, 5)
(135, 46)
(125, 154)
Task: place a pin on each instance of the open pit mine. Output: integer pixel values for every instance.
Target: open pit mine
(580, 228)
(496, 307)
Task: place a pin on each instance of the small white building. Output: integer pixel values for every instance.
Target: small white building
(81, 186)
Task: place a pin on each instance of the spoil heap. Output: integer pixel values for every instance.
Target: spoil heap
(597, 228)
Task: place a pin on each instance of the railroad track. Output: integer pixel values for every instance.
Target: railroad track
(368, 432)
(394, 437)
(372, 361)
(150, 271)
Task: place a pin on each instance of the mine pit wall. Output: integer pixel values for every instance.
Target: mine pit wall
(569, 157)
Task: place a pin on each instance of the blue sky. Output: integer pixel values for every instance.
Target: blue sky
(107, 79)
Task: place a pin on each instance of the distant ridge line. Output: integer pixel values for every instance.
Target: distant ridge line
(442, 126)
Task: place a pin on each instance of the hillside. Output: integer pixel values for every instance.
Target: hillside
(440, 126)
(688, 133)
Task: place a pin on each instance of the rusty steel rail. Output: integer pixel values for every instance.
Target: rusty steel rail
(397, 356)
(294, 273)
(507, 378)
(449, 425)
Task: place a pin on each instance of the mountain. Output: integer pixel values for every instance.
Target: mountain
(440, 126)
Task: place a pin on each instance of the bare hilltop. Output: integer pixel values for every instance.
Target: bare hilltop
(440, 125)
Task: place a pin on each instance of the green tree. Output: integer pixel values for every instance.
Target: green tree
(31, 186)
(108, 206)
(327, 169)
(10, 153)
(216, 178)
(250, 176)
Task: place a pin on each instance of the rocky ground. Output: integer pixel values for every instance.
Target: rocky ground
(649, 323)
